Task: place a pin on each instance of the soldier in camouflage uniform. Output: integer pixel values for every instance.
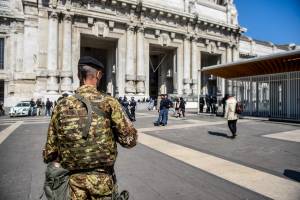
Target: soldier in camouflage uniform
(89, 153)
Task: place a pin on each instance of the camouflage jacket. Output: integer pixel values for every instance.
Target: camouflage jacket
(116, 126)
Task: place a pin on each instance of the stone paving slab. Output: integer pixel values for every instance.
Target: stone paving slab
(249, 148)
(160, 177)
(2, 127)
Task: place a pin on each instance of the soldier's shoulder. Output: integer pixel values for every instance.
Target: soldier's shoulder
(110, 100)
(66, 101)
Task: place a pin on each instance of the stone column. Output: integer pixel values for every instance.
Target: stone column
(235, 53)
(229, 60)
(66, 73)
(146, 67)
(186, 65)
(121, 66)
(52, 86)
(180, 70)
(195, 66)
(175, 72)
(140, 70)
(223, 79)
(130, 69)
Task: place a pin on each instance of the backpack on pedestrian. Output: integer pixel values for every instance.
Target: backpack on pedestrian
(239, 108)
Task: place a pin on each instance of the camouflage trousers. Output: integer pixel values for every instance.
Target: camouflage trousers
(92, 186)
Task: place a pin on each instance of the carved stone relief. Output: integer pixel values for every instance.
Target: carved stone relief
(100, 29)
(164, 39)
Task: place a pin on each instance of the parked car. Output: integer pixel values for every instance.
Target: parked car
(21, 109)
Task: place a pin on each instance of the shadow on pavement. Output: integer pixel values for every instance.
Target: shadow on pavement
(292, 174)
(218, 134)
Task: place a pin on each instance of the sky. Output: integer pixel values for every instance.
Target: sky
(276, 21)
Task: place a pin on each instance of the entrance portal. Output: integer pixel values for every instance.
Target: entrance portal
(209, 82)
(103, 50)
(161, 65)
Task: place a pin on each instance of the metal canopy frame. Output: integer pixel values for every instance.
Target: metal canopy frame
(270, 64)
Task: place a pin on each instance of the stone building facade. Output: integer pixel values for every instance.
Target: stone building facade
(148, 46)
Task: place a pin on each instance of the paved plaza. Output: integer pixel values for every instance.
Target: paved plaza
(191, 159)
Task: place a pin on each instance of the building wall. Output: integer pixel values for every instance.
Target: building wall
(43, 41)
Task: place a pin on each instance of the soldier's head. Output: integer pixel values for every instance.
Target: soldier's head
(90, 71)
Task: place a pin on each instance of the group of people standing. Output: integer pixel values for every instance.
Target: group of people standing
(38, 107)
(129, 107)
(180, 107)
(210, 102)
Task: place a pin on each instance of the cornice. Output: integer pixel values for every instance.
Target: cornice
(144, 7)
(211, 5)
(13, 18)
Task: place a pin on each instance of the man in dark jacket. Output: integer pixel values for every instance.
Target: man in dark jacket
(161, 111)
(182, 107)
(32, 106)
(132, 105)
(201, 104)
(49, 106)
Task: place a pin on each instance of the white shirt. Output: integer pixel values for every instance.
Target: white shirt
(230, 107)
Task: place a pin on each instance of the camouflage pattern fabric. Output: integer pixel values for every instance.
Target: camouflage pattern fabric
(66, 145)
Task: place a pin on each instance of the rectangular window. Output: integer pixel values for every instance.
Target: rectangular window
(1, 53)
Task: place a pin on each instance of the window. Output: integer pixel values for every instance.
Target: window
(1, 53)
(220, 2)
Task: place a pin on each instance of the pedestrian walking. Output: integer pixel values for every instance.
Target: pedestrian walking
(208, 105)
(32, 106)
(164, 106)
(182, 107)
(49, 106)
(167, 104)
(125, 107)
(82, 137)
(2, 112)
(224, 103)
(231, 115)
(160, 120)
(214, 104)
(151, 104)
(201, 104)
(39, 107)
(177, 112)
(132, 105)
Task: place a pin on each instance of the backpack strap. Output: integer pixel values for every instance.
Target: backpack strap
(88, 106)
(98, 111)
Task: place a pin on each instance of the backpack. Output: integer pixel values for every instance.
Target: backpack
(239, 108)
(56, 185)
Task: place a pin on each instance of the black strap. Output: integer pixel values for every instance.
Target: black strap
(88, 106)
(106, 169)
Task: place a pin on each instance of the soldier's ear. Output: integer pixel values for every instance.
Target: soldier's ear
(99, 75)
